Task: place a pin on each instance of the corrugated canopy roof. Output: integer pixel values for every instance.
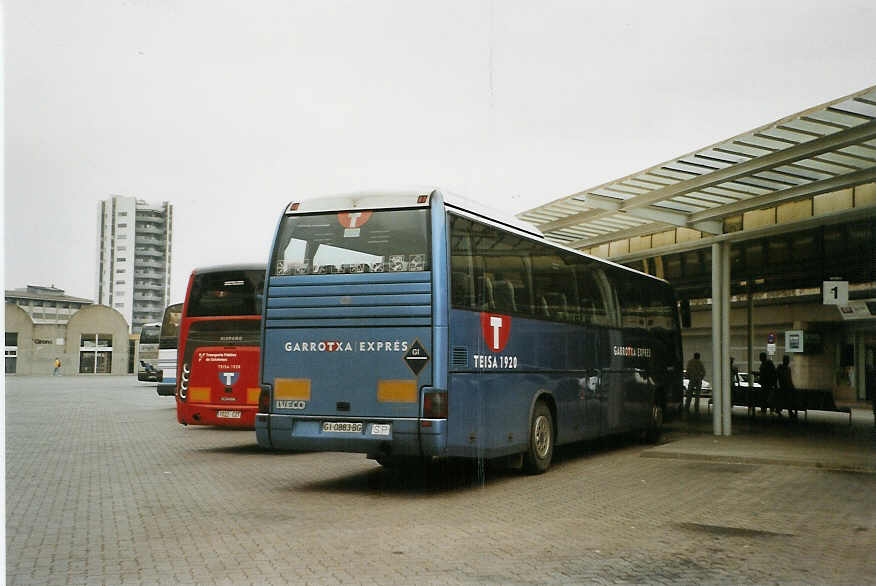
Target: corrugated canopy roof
(824, 149)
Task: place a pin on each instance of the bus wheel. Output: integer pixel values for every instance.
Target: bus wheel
(537, 458)
(655, 425)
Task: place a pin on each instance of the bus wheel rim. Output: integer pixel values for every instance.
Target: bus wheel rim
(656, 416)
(541, 436)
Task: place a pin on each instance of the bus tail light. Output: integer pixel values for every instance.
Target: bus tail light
(265, 399)
(184, 382)
(435, 405)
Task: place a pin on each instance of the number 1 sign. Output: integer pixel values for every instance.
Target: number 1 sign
(835, 292)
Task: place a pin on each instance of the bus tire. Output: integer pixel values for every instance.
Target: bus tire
(655, 424)
(537, 458)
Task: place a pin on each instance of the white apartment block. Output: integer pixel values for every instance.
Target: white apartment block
(134, 245)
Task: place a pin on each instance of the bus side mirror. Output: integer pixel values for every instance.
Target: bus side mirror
(685, 313)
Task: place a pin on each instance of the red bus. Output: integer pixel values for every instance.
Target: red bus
(218, 364)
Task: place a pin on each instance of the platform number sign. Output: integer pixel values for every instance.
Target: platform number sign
(835, 292)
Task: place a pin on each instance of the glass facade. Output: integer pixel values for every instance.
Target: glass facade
(11, 352)
(95, 353)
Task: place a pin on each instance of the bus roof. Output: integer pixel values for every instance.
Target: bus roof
(229, 267)
(405, 198)
(410, 198)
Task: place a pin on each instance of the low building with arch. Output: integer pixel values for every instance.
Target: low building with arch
(93, 341)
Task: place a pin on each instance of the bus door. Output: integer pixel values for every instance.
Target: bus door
(621, 385)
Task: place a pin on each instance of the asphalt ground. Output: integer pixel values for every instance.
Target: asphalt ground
(104, 487)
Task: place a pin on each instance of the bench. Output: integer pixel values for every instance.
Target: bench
(804, 400)
(819, 400)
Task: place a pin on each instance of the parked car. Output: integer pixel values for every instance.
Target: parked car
(149, 373)
(743, 380)
(705, 388)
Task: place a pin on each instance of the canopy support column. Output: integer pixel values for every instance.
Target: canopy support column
(721, 389)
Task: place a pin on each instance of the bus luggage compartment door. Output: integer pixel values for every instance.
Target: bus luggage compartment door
(348, 386)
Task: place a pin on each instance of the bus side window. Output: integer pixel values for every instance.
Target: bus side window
(630, 295)
(503, 293)
(461, 290)
(553, 283)
(467, 288)
(557, 306)
(593, 288)
(485, 300)
(662, 308)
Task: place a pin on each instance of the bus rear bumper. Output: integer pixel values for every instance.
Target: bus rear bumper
(402, 437)
(213, 414)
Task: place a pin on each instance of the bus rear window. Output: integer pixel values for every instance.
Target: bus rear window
(382, 241)
(226, 293)
(170, 326)
(150, 334)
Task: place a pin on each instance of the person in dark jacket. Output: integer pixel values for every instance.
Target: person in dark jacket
(786, 387)
(768, 381)
(696, 372)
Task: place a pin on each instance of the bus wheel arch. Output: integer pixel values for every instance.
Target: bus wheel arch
(541, 436)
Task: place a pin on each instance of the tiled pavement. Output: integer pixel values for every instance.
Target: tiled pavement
(104, 487)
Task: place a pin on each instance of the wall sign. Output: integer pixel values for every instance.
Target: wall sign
(835, 292)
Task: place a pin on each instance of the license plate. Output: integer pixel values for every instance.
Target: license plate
(228, 414)
(341, 427)
(380, 429)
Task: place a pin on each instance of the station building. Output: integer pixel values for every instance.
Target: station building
(92, 340)
(46, 304)
(769, 239)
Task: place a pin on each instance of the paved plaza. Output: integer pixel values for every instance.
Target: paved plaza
(105, 487)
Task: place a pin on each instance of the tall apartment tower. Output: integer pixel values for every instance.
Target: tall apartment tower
(134, 244)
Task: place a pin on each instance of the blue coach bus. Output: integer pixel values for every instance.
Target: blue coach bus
(415, 325)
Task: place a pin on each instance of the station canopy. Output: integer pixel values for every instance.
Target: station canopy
(824, 149)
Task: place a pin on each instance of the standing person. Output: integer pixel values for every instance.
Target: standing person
(768, 382)
(873, 400)
(786, 387)
(57, 370)
(734, 378)
(696, 372)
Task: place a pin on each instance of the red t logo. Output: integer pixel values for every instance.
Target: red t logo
(353, 219)
(496, 330)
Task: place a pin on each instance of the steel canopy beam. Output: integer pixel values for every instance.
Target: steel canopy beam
(602, 206)
(806, 150)
(572, 220)
(785, 195)
(645, 230)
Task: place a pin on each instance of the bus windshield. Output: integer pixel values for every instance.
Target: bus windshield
(170, 326)
(227, 293)
(150, 333)
(353, 242)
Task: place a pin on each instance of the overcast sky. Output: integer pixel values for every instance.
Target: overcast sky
(229, 110)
